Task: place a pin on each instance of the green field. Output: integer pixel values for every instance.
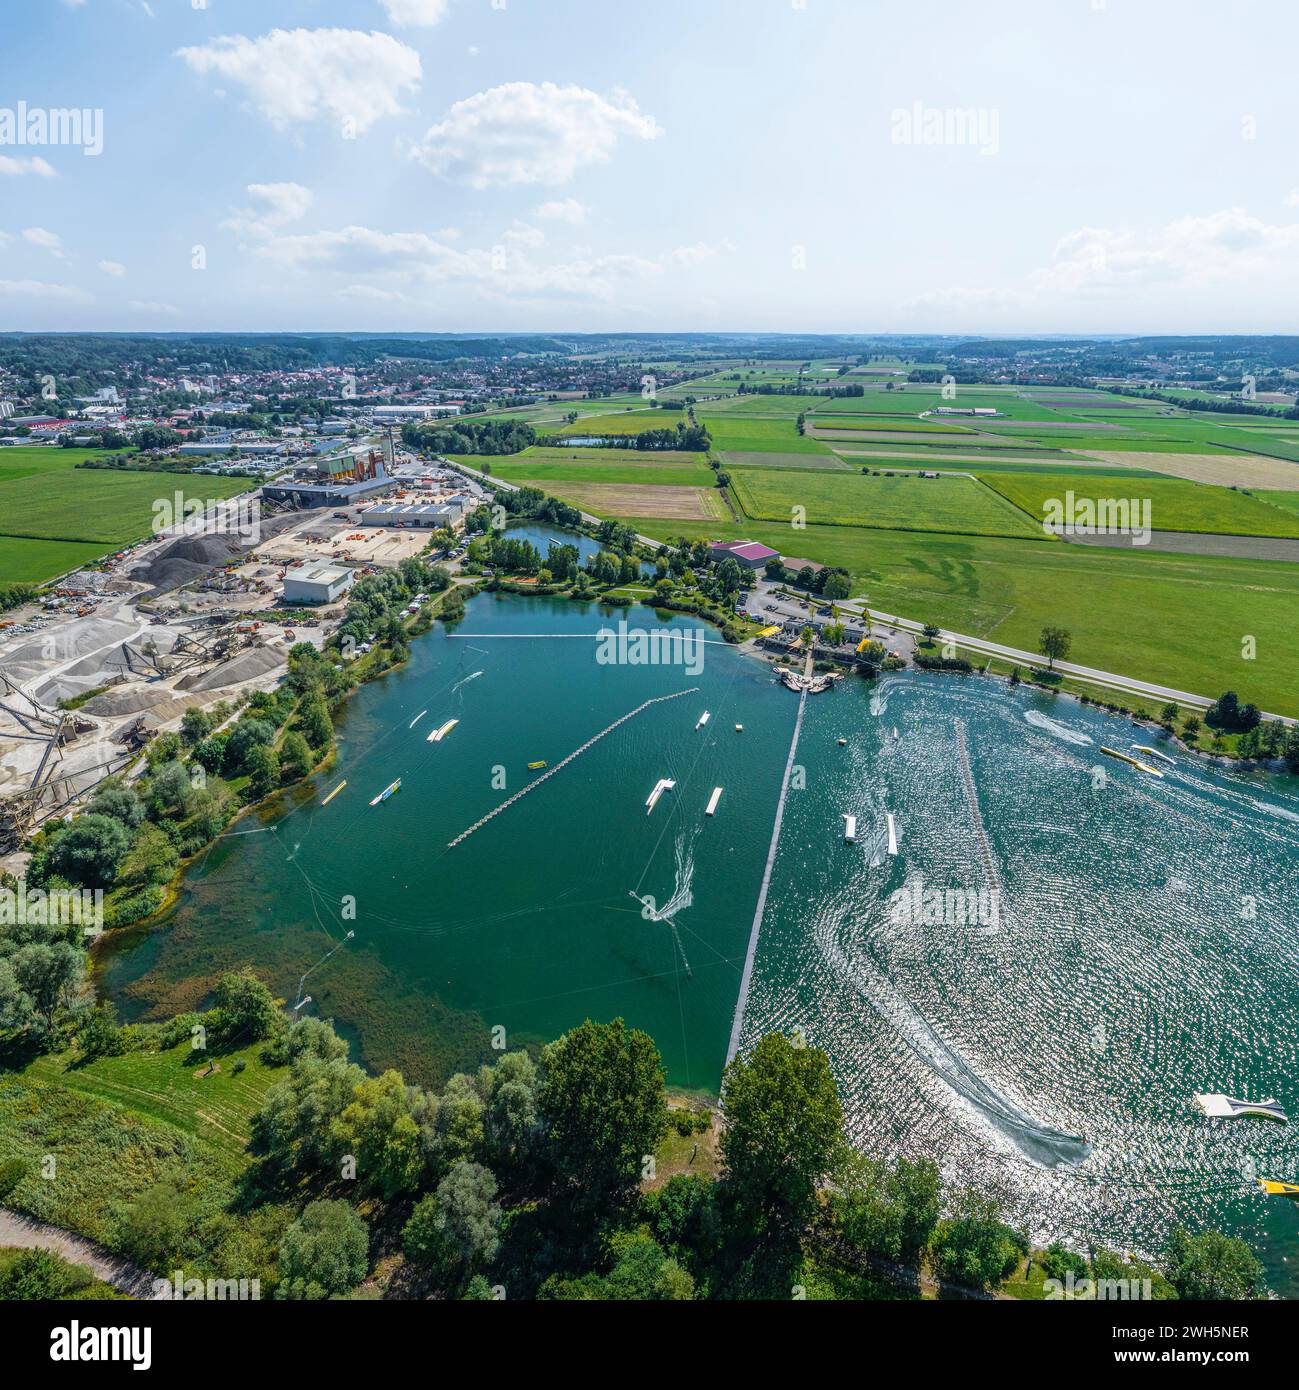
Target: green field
(639, 474)
(946, 504)
(55, 516)
(1174, 619)
(1176, 504)
(625, 422)
(757, 435)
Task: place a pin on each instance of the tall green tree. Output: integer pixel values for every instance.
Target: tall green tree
(602, 1104)
(783, 1133)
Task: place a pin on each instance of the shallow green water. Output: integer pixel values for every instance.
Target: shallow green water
(1147, 944)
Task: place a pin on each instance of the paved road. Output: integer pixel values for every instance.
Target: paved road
(28, 1234)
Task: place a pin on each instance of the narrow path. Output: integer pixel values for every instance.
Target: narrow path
(26, 1233)
(747, 978)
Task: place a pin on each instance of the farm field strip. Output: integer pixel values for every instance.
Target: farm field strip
(946, 504)
(661, 502)
(1175, 503)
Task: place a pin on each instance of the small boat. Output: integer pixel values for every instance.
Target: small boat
(893, 834)
(537, 766)
(417, 718)
(439, 734)
(386, 793)
(703, 719)
(334, 793)
(1134, 762)
(664, 784)
(1273, 1188)
(1153, 752)
(849, 828)
(711, 808)
(1220, 1107)
(843, 743)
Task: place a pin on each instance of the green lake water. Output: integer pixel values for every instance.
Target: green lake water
(1146, 947)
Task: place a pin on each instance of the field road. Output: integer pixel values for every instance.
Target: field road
(26, 1233)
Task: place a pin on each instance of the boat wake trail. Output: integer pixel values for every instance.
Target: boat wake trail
(1039, 1143)
(681, 898)
(1053, 726)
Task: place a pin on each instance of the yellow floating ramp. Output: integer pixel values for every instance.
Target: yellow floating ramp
(1273, 1188)
(335, 792)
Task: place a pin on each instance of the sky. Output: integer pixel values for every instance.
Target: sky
(1044, 166)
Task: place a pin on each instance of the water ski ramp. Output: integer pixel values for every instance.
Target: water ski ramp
(1220, 1107)
(664, 784)
(386, 793)
(439, 734)
(711, 808)
(335, 792)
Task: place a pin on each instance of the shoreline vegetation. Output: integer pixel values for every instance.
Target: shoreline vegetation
(237, 1146)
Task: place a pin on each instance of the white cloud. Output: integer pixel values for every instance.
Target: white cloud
(275, 205)
(153, 307)
(521, 234)
(113, 268)
(1292, 198)
(297, 75)
(39, 289)
(526, 133)
(398, 261)
(1193, 251)
(563, 210)
(34, 164)
(46, 240)
(416, 13)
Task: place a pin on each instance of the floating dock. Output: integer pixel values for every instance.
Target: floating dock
(1220, 1107)
(335, 792)
(664, 784)
(439, 734)
(1135, 762)
(387, 792)
(711, 808)
(1153, 752)
(703, 719)
(893, 834)
(850, 828)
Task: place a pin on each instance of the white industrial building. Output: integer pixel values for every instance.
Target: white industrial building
(430, 514)
(317, 582)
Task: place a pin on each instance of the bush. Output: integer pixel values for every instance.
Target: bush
(326, 1251)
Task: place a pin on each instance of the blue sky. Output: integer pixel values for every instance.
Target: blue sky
(800, 165)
